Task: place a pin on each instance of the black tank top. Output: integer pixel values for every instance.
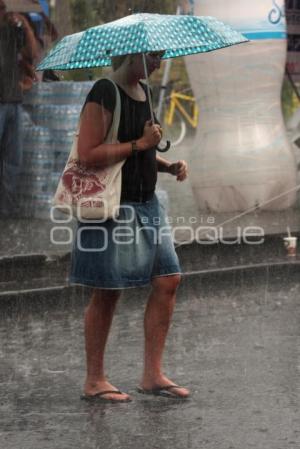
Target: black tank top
(139, 173)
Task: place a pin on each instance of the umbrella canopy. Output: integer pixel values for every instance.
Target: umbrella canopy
(177, 35)
(23, 6)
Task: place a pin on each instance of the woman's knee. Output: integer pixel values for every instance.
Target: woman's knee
(166, 284)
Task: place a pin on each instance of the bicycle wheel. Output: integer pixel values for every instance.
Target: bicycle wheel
(174, 132)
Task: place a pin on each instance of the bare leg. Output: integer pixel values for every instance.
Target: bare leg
(157, 321)
(98, 318)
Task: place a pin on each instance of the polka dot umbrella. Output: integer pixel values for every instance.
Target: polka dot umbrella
(176, 35)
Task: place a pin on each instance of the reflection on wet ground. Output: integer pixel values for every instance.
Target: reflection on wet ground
(234, 342)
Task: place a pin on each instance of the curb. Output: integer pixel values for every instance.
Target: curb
(288, 267)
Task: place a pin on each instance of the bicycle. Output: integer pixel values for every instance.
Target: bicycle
(179, 109)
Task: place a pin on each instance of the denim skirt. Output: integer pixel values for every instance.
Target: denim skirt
(127, 251)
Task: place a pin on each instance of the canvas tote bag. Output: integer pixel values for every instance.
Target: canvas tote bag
(91, 193)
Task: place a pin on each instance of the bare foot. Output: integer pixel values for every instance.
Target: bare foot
(96, 389)
(162, 381)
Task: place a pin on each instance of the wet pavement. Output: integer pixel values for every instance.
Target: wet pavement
(234, 341)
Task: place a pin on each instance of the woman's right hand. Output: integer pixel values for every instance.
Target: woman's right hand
(151, 136)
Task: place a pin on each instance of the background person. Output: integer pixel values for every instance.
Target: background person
(124, 266)
(17, 43)
(45, 34)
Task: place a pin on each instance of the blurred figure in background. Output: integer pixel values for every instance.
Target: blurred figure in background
(17, 45)
(45, 34)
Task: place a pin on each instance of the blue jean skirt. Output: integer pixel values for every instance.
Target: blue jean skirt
(125, 252)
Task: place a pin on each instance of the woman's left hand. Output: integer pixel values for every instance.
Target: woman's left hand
(179, 169)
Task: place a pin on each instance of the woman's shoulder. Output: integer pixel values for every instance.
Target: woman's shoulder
(103, 92)
(104, 86)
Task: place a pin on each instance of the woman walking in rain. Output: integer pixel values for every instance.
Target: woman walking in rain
(117, 266)
(99, 259)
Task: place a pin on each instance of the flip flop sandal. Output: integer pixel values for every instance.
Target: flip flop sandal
(98, 397)
(165, 391)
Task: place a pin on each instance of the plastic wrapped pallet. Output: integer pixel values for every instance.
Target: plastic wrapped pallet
(51, 113)
(55, 93)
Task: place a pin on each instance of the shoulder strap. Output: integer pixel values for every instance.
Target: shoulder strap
(114, 128)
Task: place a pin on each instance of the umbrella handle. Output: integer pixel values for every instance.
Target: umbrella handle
(166, 148)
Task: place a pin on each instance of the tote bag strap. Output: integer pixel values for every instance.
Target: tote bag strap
(112, 135)
(114, 127)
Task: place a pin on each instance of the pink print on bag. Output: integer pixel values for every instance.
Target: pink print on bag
(82, 183)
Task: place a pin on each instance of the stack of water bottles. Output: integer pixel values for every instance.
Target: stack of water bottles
(51, 112)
